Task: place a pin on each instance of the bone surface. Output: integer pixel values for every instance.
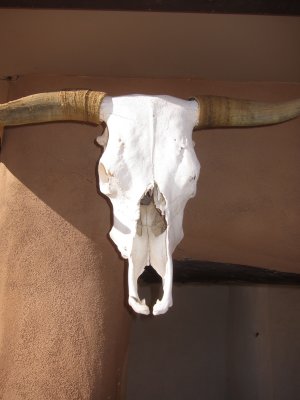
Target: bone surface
(149, 171)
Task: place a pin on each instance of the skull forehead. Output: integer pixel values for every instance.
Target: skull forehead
(147, 131)
(138, 111)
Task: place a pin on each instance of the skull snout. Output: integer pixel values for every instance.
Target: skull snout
(150, 248)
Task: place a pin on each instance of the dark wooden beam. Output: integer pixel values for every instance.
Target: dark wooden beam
(261, 7)
(193, 271)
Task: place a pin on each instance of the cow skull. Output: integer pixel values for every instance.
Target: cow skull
(148, 169)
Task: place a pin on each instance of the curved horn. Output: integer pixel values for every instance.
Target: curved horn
(220, 112)
(73, 105)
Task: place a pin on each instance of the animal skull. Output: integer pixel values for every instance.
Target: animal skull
(148, 168)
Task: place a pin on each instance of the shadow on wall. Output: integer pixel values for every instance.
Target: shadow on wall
(57, 162)
(219, 342)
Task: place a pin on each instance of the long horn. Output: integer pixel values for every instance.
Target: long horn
(73, 105)
(219, 112)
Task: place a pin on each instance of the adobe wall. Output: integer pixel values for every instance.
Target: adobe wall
(62, 308)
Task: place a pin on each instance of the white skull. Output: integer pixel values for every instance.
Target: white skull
(148, 170)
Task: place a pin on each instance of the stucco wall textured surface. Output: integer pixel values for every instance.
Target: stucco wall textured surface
(64, 325)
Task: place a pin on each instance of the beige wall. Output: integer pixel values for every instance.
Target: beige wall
(150, 44)
(57, 263)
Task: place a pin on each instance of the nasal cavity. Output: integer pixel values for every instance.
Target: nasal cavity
(147, 198)
(151, 215)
